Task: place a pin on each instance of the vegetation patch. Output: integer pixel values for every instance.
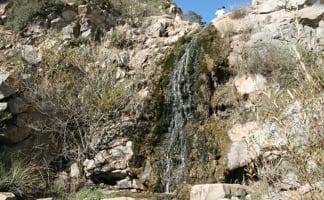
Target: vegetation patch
(22, 12)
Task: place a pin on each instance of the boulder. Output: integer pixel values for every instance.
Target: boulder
(3, 106)
(31, 55)
(125, 183)
(269, 6)
(17, 105)
(71, 31)
(296, 3)
(112, 163)
(238, 155)
(311, 16)
(4, 76)
(57, 23)
(7, 196)
(240, 131)
(207, 192)
(249, 84)
(75, 171)
(3, 7)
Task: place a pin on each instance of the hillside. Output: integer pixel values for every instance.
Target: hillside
(135, 100)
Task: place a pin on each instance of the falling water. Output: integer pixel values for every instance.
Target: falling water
(180, 104)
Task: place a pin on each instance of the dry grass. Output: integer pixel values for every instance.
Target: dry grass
(238, 12)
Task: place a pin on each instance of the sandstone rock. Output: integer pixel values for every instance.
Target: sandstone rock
(3, 7)
(3, 106)
(4, 76)
(71, 31)
(268, 6)
(311, 16)
(75, 171)
(235, 190)
(136, 184)
(207, 192)
(249, 84)
(17, 105)
(296, 3)
(238, 155)
(7, 196)
(112, 162)
(31, 55)
(289, 182)
(57, 23)
(240, 131)
(125, 183)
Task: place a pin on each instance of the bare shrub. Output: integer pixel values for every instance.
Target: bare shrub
(76, 98)
(238, 12)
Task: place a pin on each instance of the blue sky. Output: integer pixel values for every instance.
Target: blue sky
(207, 8)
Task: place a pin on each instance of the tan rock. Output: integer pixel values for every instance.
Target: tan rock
(239, 131)
(74, 171)
(7, 196)
(249, 84)
(207, 192)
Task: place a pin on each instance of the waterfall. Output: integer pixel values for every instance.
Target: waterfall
(180, 106)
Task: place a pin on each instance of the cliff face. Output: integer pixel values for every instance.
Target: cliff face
(105, 94)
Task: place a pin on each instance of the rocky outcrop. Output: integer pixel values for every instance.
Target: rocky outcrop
(269, 31)
(129, 83)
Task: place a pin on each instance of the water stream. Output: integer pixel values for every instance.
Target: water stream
(180, 103)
